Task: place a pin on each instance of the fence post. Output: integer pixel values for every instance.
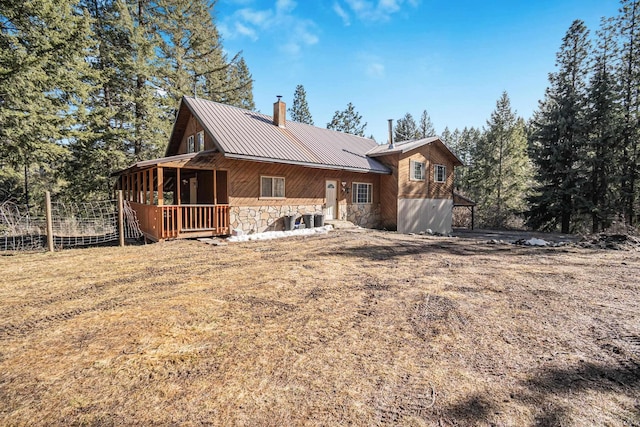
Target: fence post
(121, 217)
(47, 196)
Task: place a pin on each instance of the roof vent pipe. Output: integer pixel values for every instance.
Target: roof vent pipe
(390, 133)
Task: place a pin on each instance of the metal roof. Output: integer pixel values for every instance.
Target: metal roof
(244, 134)
(405, 146)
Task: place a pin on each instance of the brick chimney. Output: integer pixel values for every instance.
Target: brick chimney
(279, 112)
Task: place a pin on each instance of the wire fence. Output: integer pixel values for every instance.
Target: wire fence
(73, 225)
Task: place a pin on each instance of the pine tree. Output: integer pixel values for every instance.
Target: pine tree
(425, 127)
(446, 136)
(405, 129)
(628, 74)
(466, 143)
(128, 116)
(603, 122)
(454, 140)
(300, 109)
(190, 46)
(347, 121)
(558, 136)
(240, 84)
(43, 82)
(501, 171)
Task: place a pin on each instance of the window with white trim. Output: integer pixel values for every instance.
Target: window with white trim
(190, 145)
(272, 187)
(362, 192)
(417, 170)
(200, 141)
(440, 173)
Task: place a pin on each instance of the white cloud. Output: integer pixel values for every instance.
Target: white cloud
(389, 6)
(285, 6)
(293, 33)
(341, 13)
(254, 17)
(375, 69)
(373, 65)
(243, 30)
(375, 10)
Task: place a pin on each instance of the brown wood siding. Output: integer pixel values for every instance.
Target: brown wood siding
(431, 155)
(443, 190)
(192, 128)
(389, 193)
(303, 185)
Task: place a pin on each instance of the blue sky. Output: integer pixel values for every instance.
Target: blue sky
(390, 57)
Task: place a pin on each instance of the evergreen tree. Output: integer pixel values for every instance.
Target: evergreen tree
(454, 140)
(446, 136)
(558, 136)
(603, 122)
(43, 82)
(405, 129)
(240, 85)
(425, 127)
(628, 74)
(128, 115)
(190, 46)
(300, 109)
(347, 121)
(501, 171)
(465, 146)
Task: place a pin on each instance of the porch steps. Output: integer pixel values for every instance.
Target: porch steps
(340, 224)
(213, 241)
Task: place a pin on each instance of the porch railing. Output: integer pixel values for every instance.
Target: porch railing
(170, 221)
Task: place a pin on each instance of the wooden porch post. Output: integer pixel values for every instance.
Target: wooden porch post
(160, 187)
(179, 212)
(144, 187)
(178, 184)
(136, 187)
(151, 187)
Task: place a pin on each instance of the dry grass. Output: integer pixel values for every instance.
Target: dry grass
(349, 328)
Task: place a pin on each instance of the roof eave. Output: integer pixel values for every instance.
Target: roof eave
(153, 162)
(387, 171)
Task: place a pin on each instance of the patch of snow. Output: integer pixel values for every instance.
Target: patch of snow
(269, 235)
(536, 242)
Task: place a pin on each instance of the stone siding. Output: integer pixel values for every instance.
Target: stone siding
(364, 215)
(257, 219)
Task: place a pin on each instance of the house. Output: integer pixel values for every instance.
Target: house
(227, 168)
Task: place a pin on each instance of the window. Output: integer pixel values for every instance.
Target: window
(190, 147)
(271, 186)
(362, 193)
(440, 173)
(200, 141)
(417, 171)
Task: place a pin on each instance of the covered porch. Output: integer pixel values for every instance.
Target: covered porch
(173, 201)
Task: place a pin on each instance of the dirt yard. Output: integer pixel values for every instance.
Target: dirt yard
(347, 328)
